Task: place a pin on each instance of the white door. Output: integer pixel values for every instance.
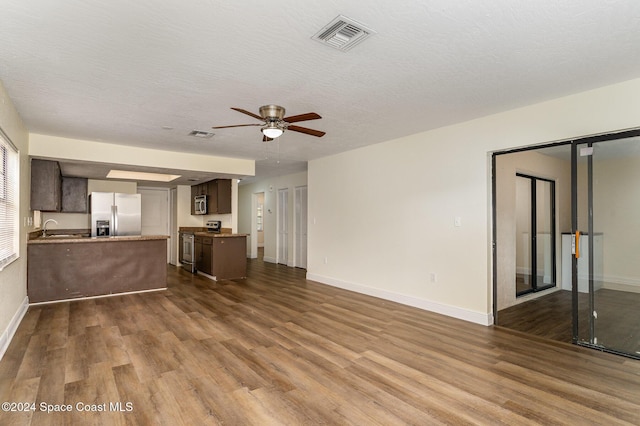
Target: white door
(155, 213)
(283, 232)
(300, 227)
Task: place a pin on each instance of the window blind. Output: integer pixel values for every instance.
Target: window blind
(9, 198)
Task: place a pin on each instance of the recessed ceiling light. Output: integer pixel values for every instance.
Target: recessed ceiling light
(125, 174)
(167, 128)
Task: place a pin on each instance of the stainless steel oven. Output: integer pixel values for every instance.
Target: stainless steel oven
(187, 252)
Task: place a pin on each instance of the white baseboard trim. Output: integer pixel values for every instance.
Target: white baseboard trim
(269, 259)
(427, 305)
(7, 335)
(618, 286)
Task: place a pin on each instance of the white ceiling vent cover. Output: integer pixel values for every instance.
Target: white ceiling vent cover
(201, 134)
(343, 33)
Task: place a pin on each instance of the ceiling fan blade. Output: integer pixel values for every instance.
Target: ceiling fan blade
(266, 139)
(302, 117)
(236, 125)
(311, 132)
(244, 111)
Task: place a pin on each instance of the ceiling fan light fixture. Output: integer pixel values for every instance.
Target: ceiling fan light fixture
(272, 130)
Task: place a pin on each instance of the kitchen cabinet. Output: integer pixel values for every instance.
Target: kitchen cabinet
(229, 257)
(203, 254)
(60, 269)
(223, 257)
(218, 192)
(52, 192)
(74, 195)
(45, 185)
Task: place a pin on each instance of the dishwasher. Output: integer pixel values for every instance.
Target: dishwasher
(187, 252)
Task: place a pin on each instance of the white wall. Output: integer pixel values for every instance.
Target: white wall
(13, 279)
(383, 216)
(270, 187)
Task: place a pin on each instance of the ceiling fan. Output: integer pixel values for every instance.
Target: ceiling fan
(274, 123)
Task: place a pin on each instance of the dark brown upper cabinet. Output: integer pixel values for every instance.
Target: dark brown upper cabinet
(74, 195)
(51, 192)
(45, 185)
(218, 192)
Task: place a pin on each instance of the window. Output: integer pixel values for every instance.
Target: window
(9, 195)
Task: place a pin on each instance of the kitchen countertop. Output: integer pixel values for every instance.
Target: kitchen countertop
(80, 239)
(214, 235)
(202, 232)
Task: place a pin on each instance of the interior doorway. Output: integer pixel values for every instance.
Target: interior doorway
(595, 298)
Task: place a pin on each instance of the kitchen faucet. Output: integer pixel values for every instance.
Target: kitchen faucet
(44, 227)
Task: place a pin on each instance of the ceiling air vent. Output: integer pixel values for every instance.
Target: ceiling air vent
(201, 134)
(343, 33)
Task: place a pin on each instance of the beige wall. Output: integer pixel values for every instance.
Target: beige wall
(508, 206)
(13, 279)
(83, 150)
(270, 189)
(383, 216)
(616, 211)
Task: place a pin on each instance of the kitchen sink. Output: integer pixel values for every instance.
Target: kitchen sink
(64, 236)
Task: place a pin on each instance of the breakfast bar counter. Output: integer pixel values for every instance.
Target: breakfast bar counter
(61, 267)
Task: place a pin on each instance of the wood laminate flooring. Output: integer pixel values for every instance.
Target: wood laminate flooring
(277, 349)
(550, 316)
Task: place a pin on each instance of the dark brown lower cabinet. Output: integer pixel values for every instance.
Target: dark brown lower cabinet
(95, 267)
(203, 254)
(229, 257)
(223, 258)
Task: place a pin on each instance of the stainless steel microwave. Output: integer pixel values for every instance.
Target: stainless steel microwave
(200, 204)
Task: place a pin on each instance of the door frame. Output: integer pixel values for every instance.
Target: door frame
(296, 221)
(574, 199)
(533, 239)
(282, 212)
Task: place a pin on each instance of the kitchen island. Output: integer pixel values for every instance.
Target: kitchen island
(218, 255)
(221, 256)
(73, 266)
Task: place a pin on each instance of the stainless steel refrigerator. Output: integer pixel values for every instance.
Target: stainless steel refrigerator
(115, 214)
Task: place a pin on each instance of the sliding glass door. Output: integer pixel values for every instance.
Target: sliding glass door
(606, 246)
(535, 234)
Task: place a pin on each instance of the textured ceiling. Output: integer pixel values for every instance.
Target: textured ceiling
(119, 71)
